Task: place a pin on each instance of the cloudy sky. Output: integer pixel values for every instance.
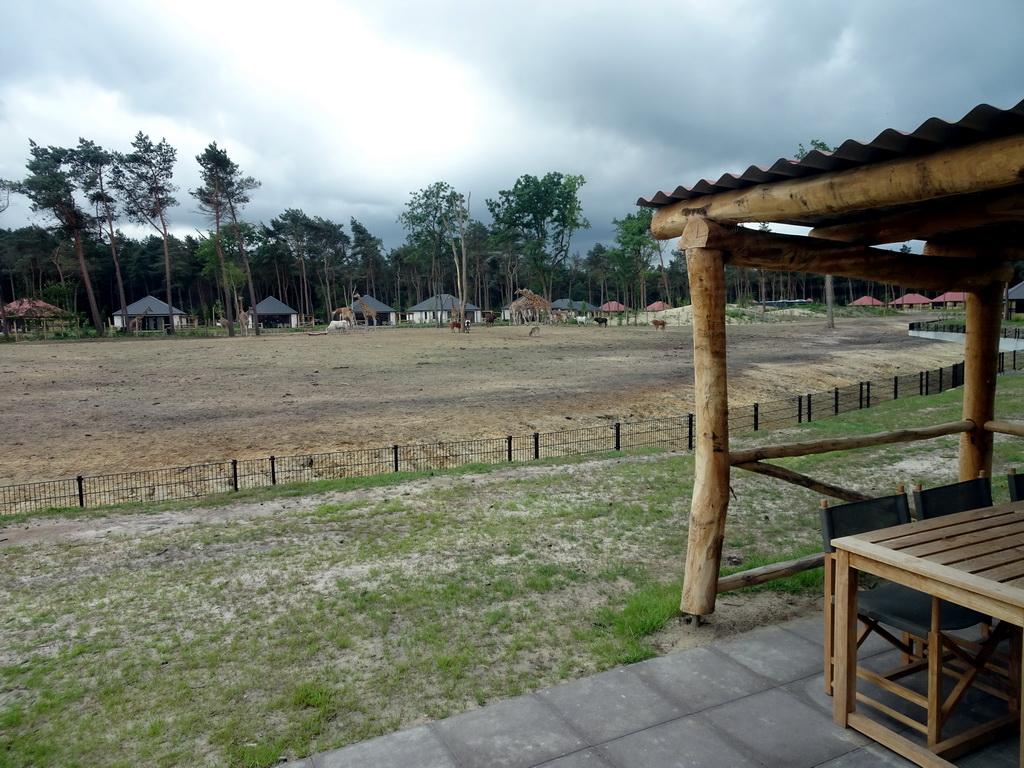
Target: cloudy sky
(342, 108)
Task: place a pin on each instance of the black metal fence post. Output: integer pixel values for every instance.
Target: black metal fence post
(234, 474)
(895, 387)
(837, 401)
(81, 490)
(618, 436)
(799, 409)
(536, 445)
(394, 456)
(273, 471)
(689, 424)
(757, 417)
(867, 394)
(509, 447)
(809, 417)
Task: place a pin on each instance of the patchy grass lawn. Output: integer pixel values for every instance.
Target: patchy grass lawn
(243, 631)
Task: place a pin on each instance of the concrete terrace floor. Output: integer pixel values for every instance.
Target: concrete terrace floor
(755, 700)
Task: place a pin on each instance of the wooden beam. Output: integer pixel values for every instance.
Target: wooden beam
(973, 168)
(795, 253)
(970, 250)
(930, 220)
(710, 502)
(1014, 428)
(770, 572)
(981, 366)
(782, 473)
(812, 447)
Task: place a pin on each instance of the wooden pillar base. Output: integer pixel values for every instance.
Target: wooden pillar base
(706, 268)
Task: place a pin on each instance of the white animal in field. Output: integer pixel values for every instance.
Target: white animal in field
(338, 325)
(581, 320)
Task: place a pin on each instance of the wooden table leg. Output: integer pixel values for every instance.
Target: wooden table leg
(844, 698)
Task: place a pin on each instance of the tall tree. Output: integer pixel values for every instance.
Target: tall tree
(93, 168)
(51, 187)
(224, 194)
(215, 170)
(437, 218)
(638, 248)
(5, 200)
(143, 181)
(544, 213)
(294, 230)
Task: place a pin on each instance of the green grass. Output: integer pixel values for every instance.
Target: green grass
(363, 608)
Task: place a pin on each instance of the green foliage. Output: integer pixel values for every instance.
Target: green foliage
(540, 215)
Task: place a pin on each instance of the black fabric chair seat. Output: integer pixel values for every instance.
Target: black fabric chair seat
(910, 610)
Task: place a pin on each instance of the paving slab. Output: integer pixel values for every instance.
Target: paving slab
(756, 700)
(518, 733)
(610, 705)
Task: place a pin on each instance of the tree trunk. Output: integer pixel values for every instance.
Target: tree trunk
(94, 309)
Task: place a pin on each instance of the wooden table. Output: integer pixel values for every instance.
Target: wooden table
(974, 559)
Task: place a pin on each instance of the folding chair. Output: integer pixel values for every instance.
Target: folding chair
(1016, 483)
(888, 605)
(916, 616)
(952, 498)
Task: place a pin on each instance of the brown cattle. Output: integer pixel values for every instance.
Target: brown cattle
(659, 325)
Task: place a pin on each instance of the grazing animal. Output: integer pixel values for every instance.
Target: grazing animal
(519, 310)
(244, 321)
(581, 320)
(344, 313)
(489, 318)
(338, 325)
(135, 325)
(659, 325)
(369, 313)
(536, 305)
(457, 326)
(601, 321)
(535, 331)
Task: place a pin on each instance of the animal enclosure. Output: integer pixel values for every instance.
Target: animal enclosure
(119, 406)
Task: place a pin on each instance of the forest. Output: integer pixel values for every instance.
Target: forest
(83, 262)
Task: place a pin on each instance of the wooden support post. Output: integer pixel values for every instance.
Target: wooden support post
(706, 269)
(981, 360)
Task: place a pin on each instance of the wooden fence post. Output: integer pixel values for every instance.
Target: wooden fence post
(981, 362)
(706, 270)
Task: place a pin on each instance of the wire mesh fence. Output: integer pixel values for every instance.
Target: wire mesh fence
(675, 433)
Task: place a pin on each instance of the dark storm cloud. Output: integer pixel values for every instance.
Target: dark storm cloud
(636, 99)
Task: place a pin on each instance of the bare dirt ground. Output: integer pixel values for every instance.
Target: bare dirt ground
(96, 407)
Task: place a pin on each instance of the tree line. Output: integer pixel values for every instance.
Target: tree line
(84, 263)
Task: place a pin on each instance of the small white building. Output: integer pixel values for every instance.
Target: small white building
(440, 309)
(154, 315)
(274, 313)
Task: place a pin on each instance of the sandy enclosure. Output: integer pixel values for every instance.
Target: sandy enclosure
(95, 407)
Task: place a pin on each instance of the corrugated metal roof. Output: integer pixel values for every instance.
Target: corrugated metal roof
(982, 123)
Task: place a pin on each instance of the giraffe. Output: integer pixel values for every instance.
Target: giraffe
(135, 325)
(537, 303)
(518, 310)
(368, 311)
(344, 313)
(243, 321)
